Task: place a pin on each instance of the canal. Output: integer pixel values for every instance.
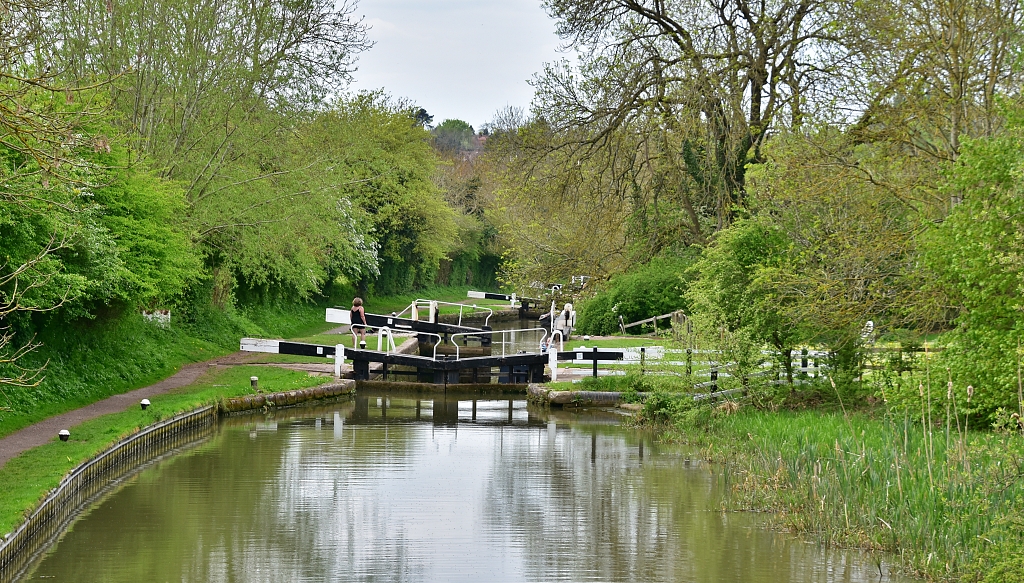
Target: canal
(389, 489)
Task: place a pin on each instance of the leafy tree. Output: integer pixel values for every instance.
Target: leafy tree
(976, 258)
(454, 136)
(380, 160)
(733, 290)
(718, 76)
(212, 94)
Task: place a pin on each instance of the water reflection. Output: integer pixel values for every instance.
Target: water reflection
(396, 489)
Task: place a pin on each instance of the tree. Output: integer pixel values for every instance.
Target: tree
(40, 173)
(454, 136)
(928, 72)
(211, 94)
(379, 160)
(717, 77)
(975, 258)
(733, 289)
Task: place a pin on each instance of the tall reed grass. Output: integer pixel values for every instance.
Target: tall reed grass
(946, 501)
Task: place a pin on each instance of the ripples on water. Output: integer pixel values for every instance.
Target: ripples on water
(395, 490)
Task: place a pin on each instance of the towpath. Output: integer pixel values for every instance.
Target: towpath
(43, 431)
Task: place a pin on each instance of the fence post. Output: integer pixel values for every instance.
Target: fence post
(714, 378)
(595, 362)
(803, 358)
(689, 361)
(642, 357)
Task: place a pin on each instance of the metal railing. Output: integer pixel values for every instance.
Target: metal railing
(390, 347)
(427, 303)
(502, 332)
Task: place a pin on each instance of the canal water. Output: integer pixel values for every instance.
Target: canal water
(388, 489)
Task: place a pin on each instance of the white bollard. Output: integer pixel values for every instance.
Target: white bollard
(339, 356)
(553, 363)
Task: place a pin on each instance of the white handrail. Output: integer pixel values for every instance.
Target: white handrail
(490, 312)
(381, 329)
(502, 332)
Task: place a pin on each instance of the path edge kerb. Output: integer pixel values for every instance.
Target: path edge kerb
(47, 520)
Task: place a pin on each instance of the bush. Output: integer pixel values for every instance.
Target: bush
(648, 290)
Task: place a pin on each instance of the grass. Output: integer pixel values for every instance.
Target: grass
(948, 504)
(397, 303)
(31, 475)
(618, 342)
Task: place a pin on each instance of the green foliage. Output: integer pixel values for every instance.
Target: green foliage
(382, 162)
(89, 359)
(975, 256)
(652, 289)
(454, 136)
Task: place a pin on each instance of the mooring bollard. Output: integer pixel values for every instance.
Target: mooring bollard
(254, 382)
(144, 404)
(64, 435)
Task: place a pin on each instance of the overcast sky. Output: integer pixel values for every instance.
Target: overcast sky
(460, 59)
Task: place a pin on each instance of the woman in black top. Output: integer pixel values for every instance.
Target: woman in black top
(359, 315)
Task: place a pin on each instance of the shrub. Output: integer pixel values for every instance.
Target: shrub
(647, 290)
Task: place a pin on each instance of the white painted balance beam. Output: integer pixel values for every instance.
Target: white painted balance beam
(337, 316)
(274, 347)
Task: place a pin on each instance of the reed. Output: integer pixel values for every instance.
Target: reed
(946, 509)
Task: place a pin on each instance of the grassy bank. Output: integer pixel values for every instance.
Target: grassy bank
(31, 475)
(946, 503)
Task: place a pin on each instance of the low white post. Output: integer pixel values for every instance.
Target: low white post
(553, 362)
(339, 356)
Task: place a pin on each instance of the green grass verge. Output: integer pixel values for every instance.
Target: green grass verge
(873, 480)
(28, 477)
(618, 342)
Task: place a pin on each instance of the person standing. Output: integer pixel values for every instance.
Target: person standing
(359, 315)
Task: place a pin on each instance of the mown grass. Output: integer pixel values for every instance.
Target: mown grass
(948, 504)
(28, 477)
(397, 303)
(617, 342)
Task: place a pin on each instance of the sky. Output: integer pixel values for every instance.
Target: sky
(461, 59)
